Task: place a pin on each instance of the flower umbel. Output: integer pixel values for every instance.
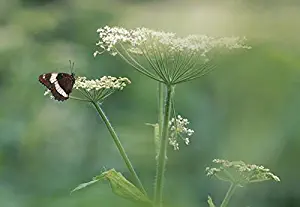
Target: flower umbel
(239, 172)
(164, 56)
(97, 90)
(178, 129)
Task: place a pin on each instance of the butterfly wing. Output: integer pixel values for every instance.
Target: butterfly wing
(60, 84)
(48, 79)
(66, 82)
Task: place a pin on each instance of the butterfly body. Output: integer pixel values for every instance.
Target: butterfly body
(60, 84)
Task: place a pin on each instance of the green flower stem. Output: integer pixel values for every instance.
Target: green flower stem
(229, 194)
(161, 165)
(160, 107)
(119, 146)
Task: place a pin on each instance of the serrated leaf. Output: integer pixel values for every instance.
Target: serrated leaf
(210, 202)
(123, 188)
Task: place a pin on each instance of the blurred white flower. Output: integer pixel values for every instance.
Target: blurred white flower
(178, 129)
(239, 172)
(99, 89)
(163, 56)
(105, 82)
(110, 37)
(47, 92)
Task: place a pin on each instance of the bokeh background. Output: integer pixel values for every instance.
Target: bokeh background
(247, 109)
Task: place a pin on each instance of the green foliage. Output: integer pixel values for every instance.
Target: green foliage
(119, 185)
(156, 137)
(84, 185)
(210, 202)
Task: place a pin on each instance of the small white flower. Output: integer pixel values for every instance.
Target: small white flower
(164, 56)
(47, 92)
(99, 89)
(178, 129)
(240, 172)
(187, 141)
(105, 82)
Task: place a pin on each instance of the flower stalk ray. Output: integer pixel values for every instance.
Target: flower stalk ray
(163, 56)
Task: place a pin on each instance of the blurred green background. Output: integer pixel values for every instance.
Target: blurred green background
(247, 109)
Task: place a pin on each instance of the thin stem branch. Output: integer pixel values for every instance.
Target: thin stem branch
(79, 99)
(155, 66)
(229, 194)
(85, 94)
(161, 165)
(119, 146)
(142, 70)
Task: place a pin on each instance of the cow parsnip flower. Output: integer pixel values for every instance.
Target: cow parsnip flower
(239, 172)
(164, 56)
(179, 130)
(99, 89)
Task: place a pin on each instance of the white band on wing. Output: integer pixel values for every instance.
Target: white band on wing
(53, 77)
(60, 90)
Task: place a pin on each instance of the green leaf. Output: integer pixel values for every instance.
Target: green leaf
(210, 202)
(84, 185)
(123, 188)
(119, 185)
(156, 137)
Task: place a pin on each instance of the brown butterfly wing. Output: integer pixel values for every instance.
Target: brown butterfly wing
(66, 82)
(45, 80)
(57, 96)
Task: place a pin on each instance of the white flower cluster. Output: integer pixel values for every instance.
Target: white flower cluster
(178, 129)
(48, 92)
(240, 171)
(136, 39)
(105, 82)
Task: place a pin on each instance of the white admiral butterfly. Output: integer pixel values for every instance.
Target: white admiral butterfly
(60, 84)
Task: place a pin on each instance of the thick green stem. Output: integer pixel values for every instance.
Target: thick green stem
(160, 107)
(161, 165)
(119, 146)
(229, 194)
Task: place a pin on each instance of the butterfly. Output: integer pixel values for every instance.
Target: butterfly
(59, 84)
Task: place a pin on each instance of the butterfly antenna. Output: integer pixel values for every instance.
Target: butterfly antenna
(72, 66)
